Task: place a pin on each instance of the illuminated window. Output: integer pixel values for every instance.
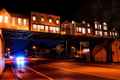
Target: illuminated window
(57, 29)
(34, 26)
(6, 19)
(19, 21)
(50, 20)
(113, 34)
(100, 26)
(88, 25)
(105, 33)
(54, 29)
(104, 23)
(24, 21)
(116, 34)
(110, 33)
(96, 32)
(57, 21)
(83, 30)
(104, 27)
(96, 26)
(77, 29)
(73, 22)
(80, 29)
(42, 27)
(83, 22)
(46, 28)
(89, 31)
(42, 19)
(1, 19)
(100, 33)
(34, 18)
(13, 21)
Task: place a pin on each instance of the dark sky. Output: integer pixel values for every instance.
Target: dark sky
(69, 9)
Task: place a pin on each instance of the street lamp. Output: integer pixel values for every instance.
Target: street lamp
(34, 48)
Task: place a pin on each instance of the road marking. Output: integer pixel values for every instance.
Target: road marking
(39, 73)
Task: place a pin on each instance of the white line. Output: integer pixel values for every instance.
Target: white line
(39, 73)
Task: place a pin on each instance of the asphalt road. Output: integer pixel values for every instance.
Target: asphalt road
(61, 70)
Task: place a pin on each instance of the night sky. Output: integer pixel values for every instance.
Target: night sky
(107, 10)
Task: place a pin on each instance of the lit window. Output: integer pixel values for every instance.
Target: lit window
(105, 28)
(104, 23)
(57, 21)
(46, 28)
(24, 21)
(33, 18)
(88, 25)
(6, 19)
(50, 20)
(110, 33)
(105, 33)
(89, 30)
(42, 27)
(73, 22)
(116, 34)
(83, 30)
(57, 29)
(100, 26)
(96, 26)
(13, 21)
(80, 29)
(19, 20)
(96, 32)
(34, 26)
(113, 33)
(42, 19)
(100, 33)
(1, 19)
(83, 22)
(77, 29)
(54, 29)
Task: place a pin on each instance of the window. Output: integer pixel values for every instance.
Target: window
(57, 29)
(116, 34)
(42, 19)
(6, 19)
(19, 21)
(89, 31)
(105, 33)
(13, 21)
(80, 29)
(104, 27)
(1, 19)
(96, 26)
(83, 30)
(100, 33)
(24, 21)
(42, 27)
(50, 20)
(34, 26)
(34, 18)
(100, 26)
(46, 28)
(57, 21)
(88, 25)
(96, 32)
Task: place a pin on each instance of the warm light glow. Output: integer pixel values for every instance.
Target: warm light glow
(34, 47)
(83, 30)
(116, 34)
(1, 19)
(41, 27)
(104, 27)
(105, 33)
(104, 23)
(89, 31)
(57, 29)
(100, 26)
(34, 26)
(8, 49)
(24, 21)
(50, 20)
(96, 26)
(46, 28)
(86, 50)
(6, 19)
(83, 22)
(42, 19)
(80, 29)
(110, 33)
(19, 21)
(13, 21)
(101, 33)
(73, 22)
(34, 18)
(96, 32)
(88, 25)
(57, 21)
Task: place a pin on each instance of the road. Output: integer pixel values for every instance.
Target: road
(62, 70)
